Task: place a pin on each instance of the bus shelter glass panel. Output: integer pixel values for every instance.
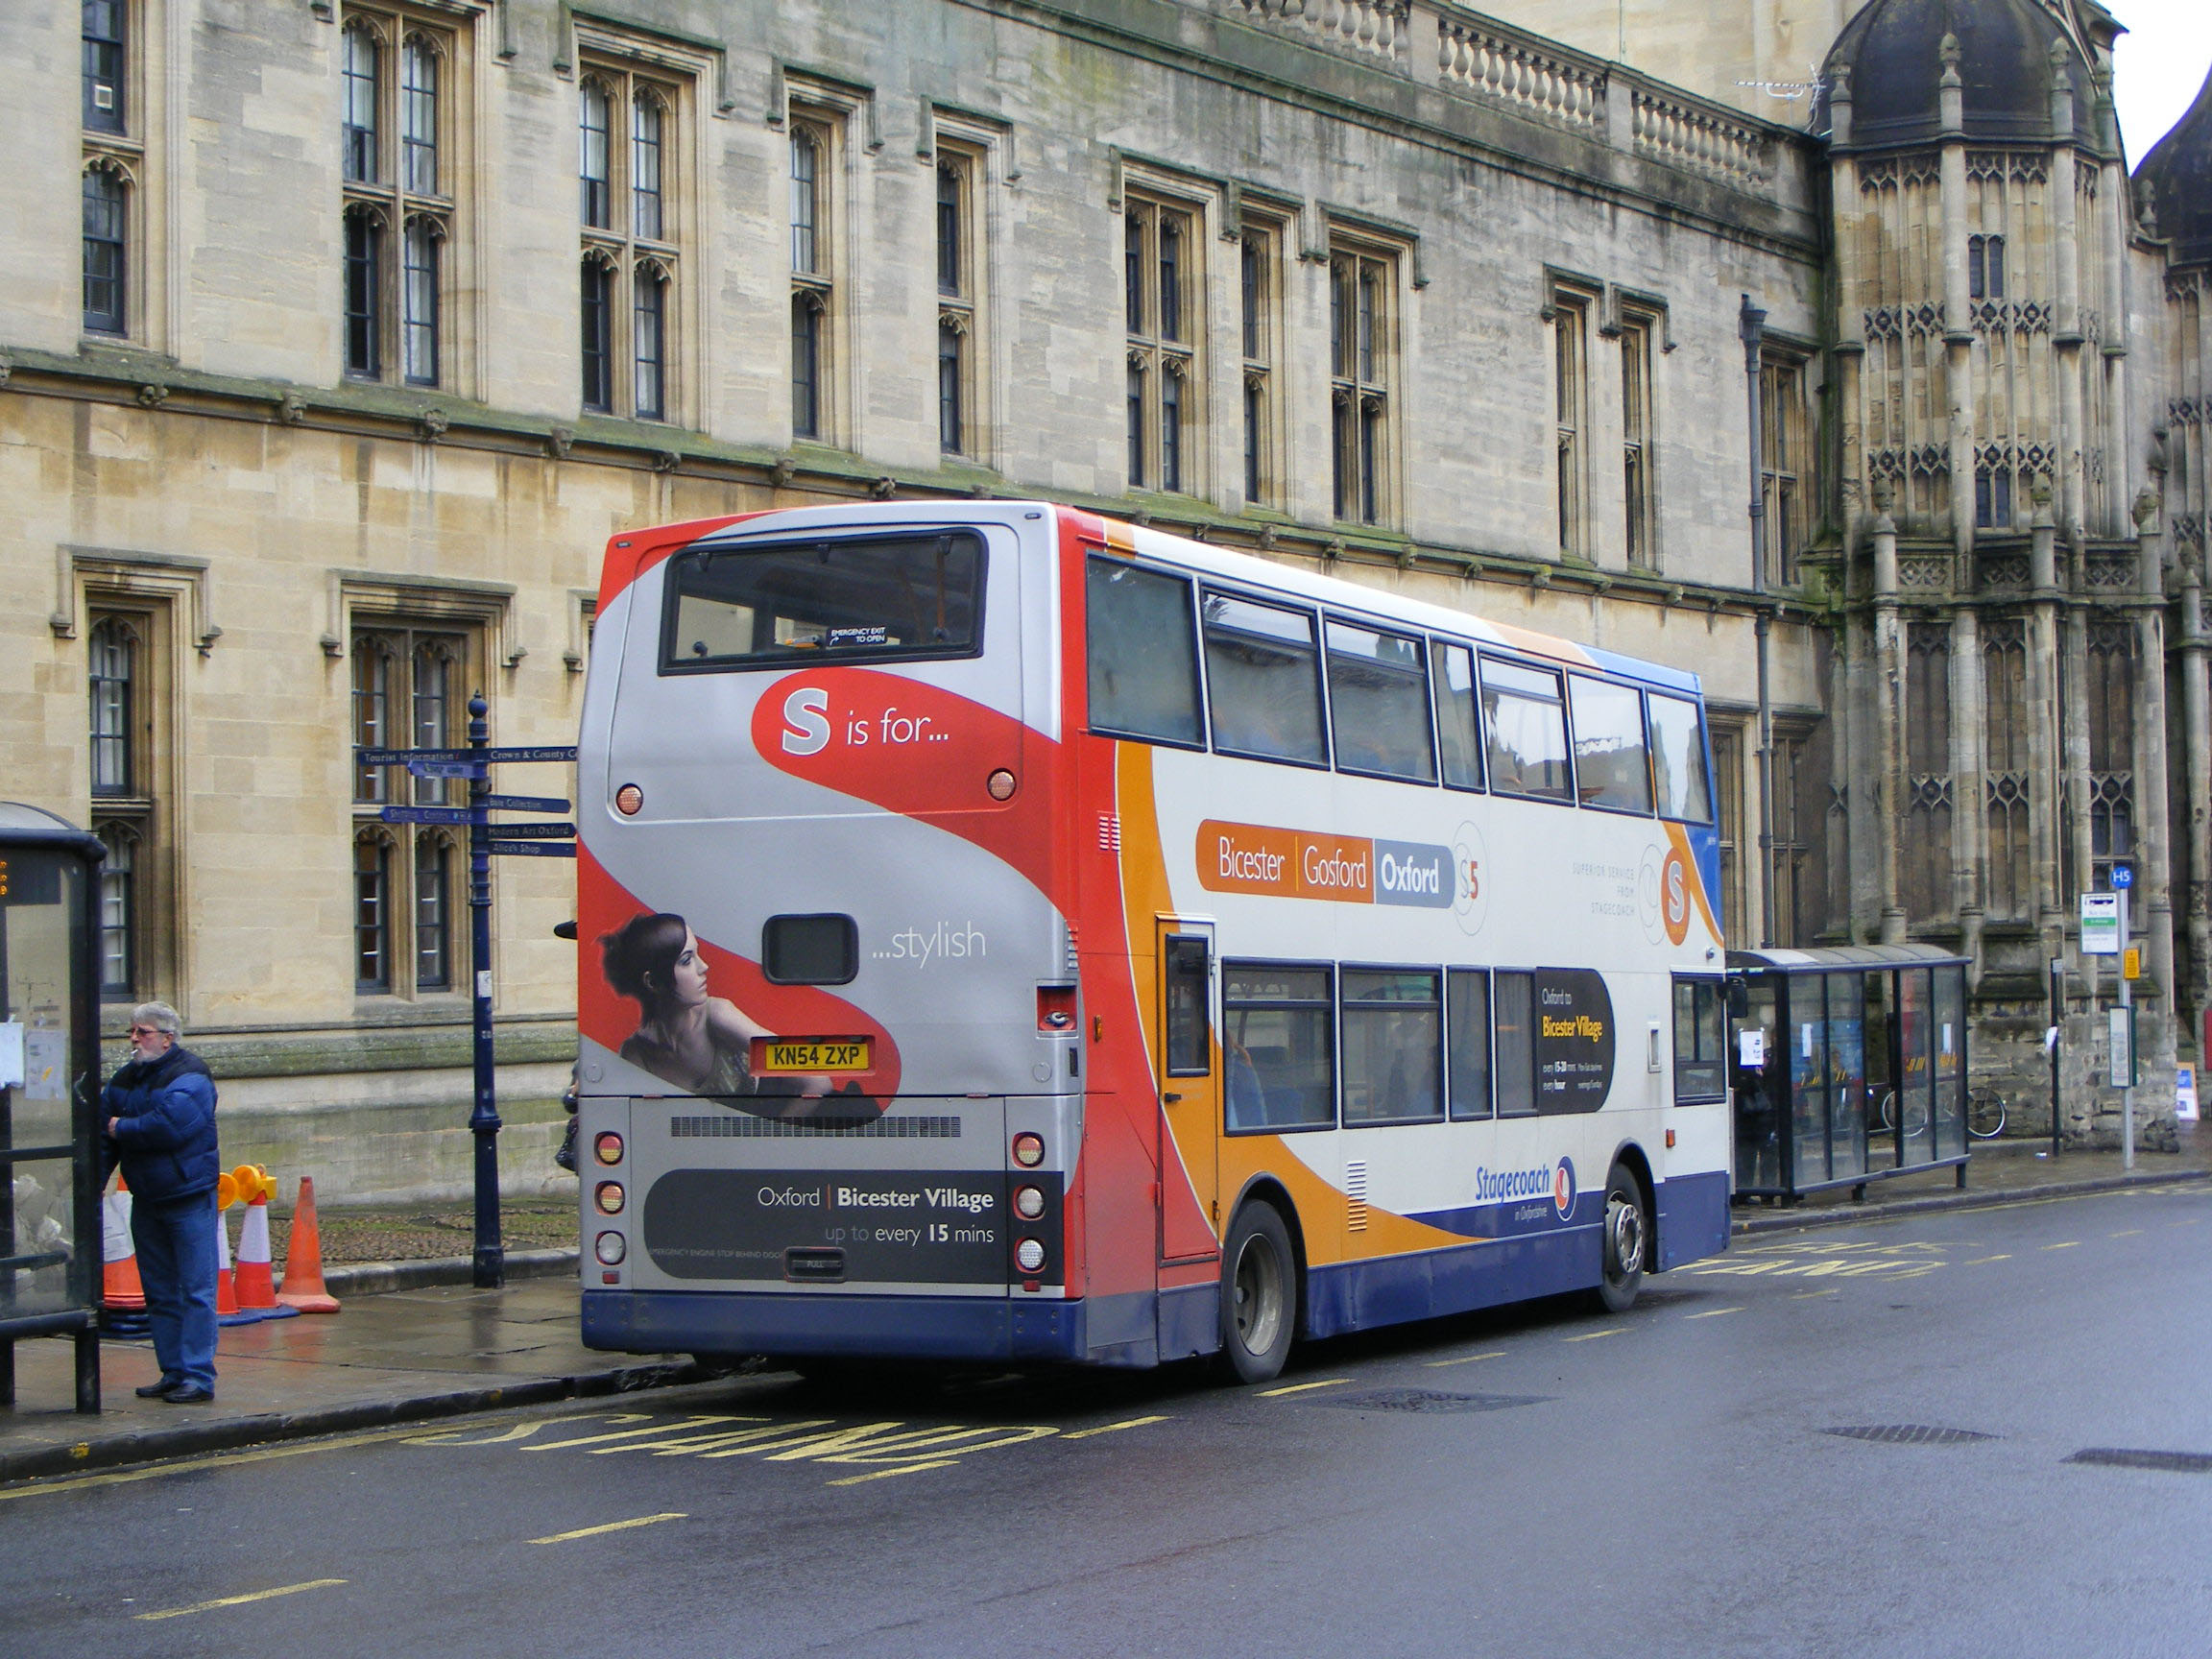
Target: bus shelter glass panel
(1808, 1039)
(41, 905)
(1881, 1100)
(1949, 1020)
(1757, 1124)
(1916, 1079)
(1846, 1075)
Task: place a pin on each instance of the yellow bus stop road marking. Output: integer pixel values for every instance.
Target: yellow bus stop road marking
(1712, 1313)
(611, 1526)
(1465, 1359)
(905, 1469)
(1808, 1295)
(2064, 1244)
(1592, 1335)
(1111, 1427)
(220, 1460)
(222, 1601)
(2125, 1233)
(2001, 1256)
(1301, 1387)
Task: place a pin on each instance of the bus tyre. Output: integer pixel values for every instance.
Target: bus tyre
(1259, 1295)
(1627, 1241)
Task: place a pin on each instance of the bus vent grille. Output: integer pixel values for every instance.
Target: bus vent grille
(1075, 962)
(1109, 833)
(781, 1129)
(1356, 1197)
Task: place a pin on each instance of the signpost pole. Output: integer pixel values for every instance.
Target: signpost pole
(2058, 1025)
(484, 1121)
(2127, 1011)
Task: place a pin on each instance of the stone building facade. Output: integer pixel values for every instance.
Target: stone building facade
(365, 324)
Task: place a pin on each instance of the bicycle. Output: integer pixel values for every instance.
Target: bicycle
(1915, 1114)
(1985, 1114)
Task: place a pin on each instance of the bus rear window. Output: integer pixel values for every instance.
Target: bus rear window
(860, 599)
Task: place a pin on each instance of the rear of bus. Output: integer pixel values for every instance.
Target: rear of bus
(829, 1081)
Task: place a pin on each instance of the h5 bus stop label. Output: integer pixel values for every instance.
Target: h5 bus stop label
(886, 1227)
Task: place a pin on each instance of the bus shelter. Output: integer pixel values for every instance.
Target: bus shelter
(1850, 1066)
(49, 1221)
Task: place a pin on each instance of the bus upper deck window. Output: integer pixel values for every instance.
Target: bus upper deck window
(1144, 651)
(1524, 720)
(1678, 759)
(1610, 766)
(1378, 703)
(1263, 674)
(1458, 730)
(859, 598)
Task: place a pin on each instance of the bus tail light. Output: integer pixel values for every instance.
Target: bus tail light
(607, 1147)
(1029, 1256)
(1028, 1149)
(610, 1248)
(608, 1195)
(1028, 1203)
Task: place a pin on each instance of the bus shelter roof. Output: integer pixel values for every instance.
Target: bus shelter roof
(1828, 959)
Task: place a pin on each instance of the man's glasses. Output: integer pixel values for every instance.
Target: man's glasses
(145, 1031)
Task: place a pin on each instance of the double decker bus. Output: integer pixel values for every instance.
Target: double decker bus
(1012, 936)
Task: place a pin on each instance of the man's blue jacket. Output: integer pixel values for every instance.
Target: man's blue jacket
(166, 1127)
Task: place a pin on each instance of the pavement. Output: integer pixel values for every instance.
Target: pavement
(415, 1341)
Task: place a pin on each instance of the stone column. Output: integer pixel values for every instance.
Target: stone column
(1885, 660)
(1958, 317)
(1969, 788)
(2112, 216)
(2197, 738)
(2066, 326)
(1849, 355)
(2154, 860)
(2044, 724)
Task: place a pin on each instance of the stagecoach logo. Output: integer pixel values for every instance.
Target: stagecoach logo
(1562, 1187)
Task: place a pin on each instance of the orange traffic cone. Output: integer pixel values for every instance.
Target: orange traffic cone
(225, 1286)
(303, 1259)
(256, 1288)
(119, 1285)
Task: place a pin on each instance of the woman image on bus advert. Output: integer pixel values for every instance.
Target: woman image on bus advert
(695, 1041)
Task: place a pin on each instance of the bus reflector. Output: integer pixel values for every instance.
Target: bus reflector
(1028, 1149)
(629, 800)
(1029, 1255)
(1028, 1203)
(1000, 784)
(608, 1198)
(610, 1248)
(607, 1147)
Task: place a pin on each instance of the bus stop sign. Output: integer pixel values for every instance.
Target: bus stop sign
(2101, 923)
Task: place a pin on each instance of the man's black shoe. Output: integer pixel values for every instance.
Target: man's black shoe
(190, 1394)
(156, 1390)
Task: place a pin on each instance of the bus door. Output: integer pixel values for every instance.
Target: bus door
(1189, 1091)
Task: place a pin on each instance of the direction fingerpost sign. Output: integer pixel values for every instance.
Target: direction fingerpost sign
(487, 840)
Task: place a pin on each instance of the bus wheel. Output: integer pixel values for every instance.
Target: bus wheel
(1259, 1295)
(1627, 1241)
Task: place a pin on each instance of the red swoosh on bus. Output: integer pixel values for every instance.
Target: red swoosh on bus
(920, 751)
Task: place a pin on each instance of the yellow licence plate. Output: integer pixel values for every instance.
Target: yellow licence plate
(816, 1055)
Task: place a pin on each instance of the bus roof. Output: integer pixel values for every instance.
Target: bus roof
(1200, 558)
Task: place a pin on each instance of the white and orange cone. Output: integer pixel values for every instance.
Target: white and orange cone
(120, 1290)
(256, 1284)
(303, 1287)
(225, 1286)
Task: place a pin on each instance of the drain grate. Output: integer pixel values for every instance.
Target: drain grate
(1429, 1400)
(2165, 1463)
(1911, 1434)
